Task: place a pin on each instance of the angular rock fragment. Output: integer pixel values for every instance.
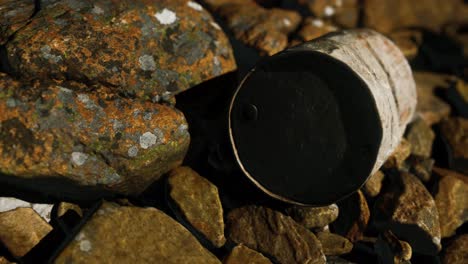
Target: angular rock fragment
(343, 12)
(456, 252)
(333, 244)
(373, 185)
(123, 234)
(451, 200)
(266, 30)
(421, 137)
(354, 217)
(63, 207)
(399, 155)
(421, 167)
(430, 107)
(21, 229)
(392, 250)
(409, 211)
(14, 14)
(10, 203)
(242, 254)
(148, 49)
(198, 201)
(275, 234)
(52, 136)
(314, 217)
(455, 134)
(313, 28)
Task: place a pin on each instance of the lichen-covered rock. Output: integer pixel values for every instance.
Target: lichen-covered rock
(313, 217)
(390, 249)
(409, 211)
(430, 107)
(313, 28)
(148, 49)
(242, 255)
(456, 252)
(52, 133)
(266, 30)
(124, 234)
(354, 217)
(275, 234)
(10, 203)
(333, 244)
(63, 207)
(451, 200)
(421, 137)
(14, 14)
(21, 229)
(198, 201)
(373, 185)
(399, 155)
(386, 15)
(455, 134)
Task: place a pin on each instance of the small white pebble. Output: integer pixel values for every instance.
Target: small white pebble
(147, 140)
(286, 22)
(166, 17)
(317, 22)
(329, 11)
(195, 5)
(79, 158)
(85, 245)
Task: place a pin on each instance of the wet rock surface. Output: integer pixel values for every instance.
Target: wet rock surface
(275, 234)
(199, 203)
(454, 132)
(456, 251)
(314, 217)
(242, 254)
(410, 212)
(21, 229)
(131, 234)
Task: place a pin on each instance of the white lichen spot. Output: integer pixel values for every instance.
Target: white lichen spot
(117, 125)
(436, 240)
(83, 98)
(147, 63)
(156, 99)
(166, 17)
(317, 23)
(195, 5)
(286, 22)
(215, 25)
(80, 236)
(132, 151)
(85, 245)
(47, 55)
(11, 102)
(97, 10)
(147, 140)
(79, 158)
(182, 129)
(64, 89)
(166, 96)
(329, 11)
(216, 61)
(147, 116)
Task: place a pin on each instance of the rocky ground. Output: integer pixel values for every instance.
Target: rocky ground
(106, 158)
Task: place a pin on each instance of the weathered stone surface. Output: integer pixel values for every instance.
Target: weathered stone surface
(456, 252)
(333, 244)
(386, 15)
(21, 229)
(10, 203)
(430, 107)
(409, 211)
(454, 132)
(124, 234)
(148, 49)
(63, 207)
(399, 155)
(275, 234)
(421, 137)
(3, 260)
(373, 185)
(242, 254)
(354, 217)
(343, 12)
(392, 250)
(451, 200)
(52, 133)
(266, 30)
(421, 167)
(313, 28)
(198, 201)
(408, 41)
(314, 217)
(14, 14)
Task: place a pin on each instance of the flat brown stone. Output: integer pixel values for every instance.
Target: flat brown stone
(454, 132)
(275, 234)
(198, 201)
(373, 185)
(456, 252)
(421, 138)
(354, 217)
(410, 212)
(21, 229)
(124, 234)
(242, 255)
(314, 217)
(333, 244)
(451, 200)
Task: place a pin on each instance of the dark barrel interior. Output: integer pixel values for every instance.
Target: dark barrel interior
(305, 127)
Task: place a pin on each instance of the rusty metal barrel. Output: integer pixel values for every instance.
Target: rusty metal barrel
(310, 124)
